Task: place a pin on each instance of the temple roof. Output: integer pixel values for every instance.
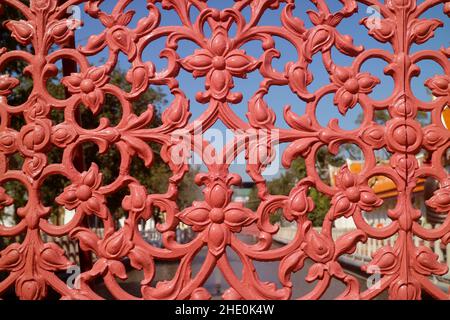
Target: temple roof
(381, 185)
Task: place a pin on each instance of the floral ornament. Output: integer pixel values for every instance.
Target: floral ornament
(259, 114)
(385, 260)
(63, 134)
(111, 250)
(440, 201)
(321, 38)
(350, 86)
(61, 31)
(52, 257)
(421, 30)
(324, 252)
(89, 85)
(117, 245)
(434, 136)
(219, 61)
(324, 35)
(405, 290)
(39, 108)
(12, 258)
(317, 246)
(116, 35)
(352, 196)
(374, 135)
(439, 85)
(21, 30)
(85, 196)
(136, 201)
(33, 166)
(299, 79)
(299, 204)
(200, 294)
(216, 215)
(385, 28)
(30, 285)
(427, 262)
(7, 83)
(43, 6)
(8, 141)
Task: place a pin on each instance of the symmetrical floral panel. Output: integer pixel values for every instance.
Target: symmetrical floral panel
(32, 265)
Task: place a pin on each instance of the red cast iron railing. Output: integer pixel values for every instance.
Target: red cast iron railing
(32, 265)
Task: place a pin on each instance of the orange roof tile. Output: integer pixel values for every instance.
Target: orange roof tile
(446, 117)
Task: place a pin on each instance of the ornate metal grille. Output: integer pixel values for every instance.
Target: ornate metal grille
(45, 32)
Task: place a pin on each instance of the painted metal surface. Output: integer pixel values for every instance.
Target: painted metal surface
(405, 268)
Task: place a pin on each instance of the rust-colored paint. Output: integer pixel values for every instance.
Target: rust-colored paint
(405, 268)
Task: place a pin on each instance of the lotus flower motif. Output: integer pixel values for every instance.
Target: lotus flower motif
(350, 86)
(89, 85)
(217, 216)
(219, 61)
(7, 83)
(440, 201)
(84, 195)
(439, 85)
(352, 196)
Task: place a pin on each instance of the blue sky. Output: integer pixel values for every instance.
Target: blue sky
(278, 97)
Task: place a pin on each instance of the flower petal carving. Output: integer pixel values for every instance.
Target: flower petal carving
(142, 260)
(31, 287)
(37, 118)
(197, 216)
(63, 134)
(299, 203)
(116, 245)
(439, 85)
(21, 30)
(7, 83)
(218, 238)
(199, 63)
(62, 30)
(53, 258)
(238, 63)
(319, 246)
(403, 290)
(440, 201)
(84, 195)
(427, 263)
(385, 260)
(421, 30)
(299, 78)
(5, 199)
(236, 217)
(12, 258)
(34, 166)
(382, 29)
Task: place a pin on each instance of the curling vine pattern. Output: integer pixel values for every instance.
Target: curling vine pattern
(32, 265)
